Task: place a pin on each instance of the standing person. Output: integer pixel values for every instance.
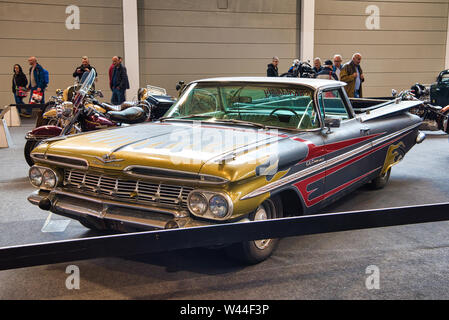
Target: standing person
(37, 82)
(84, 67)
(352, 74)
(120, 82)
(111, 72)
(317, 65)
(327, 72)
(272, 70)
(19, 84)
(338, 59)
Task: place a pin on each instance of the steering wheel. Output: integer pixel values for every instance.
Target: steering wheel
(285, 109)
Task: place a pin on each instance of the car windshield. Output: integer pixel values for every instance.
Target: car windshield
(270, 105)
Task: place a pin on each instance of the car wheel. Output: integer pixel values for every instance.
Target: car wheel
(381, 181)
(253, 252)
(29, 146)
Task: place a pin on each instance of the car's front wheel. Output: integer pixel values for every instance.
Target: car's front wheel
(252, 252)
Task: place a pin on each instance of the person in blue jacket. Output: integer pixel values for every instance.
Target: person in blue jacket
(36, 81)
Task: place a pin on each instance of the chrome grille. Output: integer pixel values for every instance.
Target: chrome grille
(128, 190)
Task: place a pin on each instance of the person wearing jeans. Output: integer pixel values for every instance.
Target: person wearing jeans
(19, 80)
(37, 81)
(119, 83)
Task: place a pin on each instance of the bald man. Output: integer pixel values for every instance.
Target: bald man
(84, 67)
(352, 74)
(37, 81)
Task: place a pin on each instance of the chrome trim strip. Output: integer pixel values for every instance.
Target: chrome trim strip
(324, 165)
(200, 180)
(63, 164)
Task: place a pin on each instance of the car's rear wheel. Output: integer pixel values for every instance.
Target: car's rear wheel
(381, 181)
(252, 252)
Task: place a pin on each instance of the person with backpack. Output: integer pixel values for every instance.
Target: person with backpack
(38, 82)
(19, 86)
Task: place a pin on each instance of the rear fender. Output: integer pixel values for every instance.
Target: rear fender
(44, 132)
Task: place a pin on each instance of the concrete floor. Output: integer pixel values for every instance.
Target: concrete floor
(413, 260)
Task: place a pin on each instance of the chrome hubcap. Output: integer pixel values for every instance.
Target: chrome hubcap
(261, 214)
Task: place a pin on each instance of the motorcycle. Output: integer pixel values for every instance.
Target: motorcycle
(85, 113)
(426, 111)
(158, 98)
(300, 70)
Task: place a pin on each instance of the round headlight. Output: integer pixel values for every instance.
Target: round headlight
(35, 176)
(49, 179)
(197, 203)
(218, 206)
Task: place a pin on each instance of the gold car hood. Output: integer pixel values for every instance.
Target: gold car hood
(231, 152)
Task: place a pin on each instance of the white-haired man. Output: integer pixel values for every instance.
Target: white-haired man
(338, 59)
(352, 74)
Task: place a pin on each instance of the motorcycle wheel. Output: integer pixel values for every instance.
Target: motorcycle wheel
(29, 146)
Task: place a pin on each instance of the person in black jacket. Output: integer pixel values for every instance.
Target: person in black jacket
(19, 79)
(272, 70)
(84, 67)
(119, 83)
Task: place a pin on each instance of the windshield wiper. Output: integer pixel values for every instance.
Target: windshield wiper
(258, 125)
(186, 117)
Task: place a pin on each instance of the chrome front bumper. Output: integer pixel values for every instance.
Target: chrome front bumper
(109, 212)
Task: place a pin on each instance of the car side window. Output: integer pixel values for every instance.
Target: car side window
(332, 105)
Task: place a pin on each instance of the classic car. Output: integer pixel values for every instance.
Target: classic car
(229, 150)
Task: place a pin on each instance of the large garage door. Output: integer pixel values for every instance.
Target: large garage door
(192, 39)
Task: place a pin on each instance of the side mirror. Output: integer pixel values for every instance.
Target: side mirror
(332, 123)
(100, 94)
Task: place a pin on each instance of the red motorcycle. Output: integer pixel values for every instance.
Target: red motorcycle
(86, 114)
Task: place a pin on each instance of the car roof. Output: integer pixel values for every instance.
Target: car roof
(313, 83)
